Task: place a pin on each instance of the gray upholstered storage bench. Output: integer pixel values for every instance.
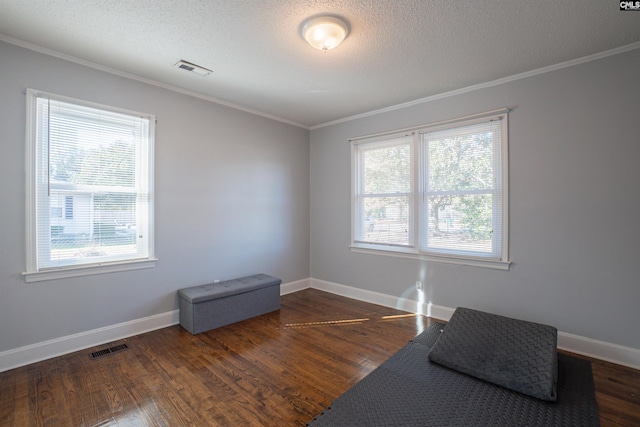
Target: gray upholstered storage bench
(210, 306)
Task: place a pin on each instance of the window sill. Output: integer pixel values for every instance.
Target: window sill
(87, 270)
(474, 262)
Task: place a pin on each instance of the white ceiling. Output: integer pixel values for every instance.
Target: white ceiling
(397, 51)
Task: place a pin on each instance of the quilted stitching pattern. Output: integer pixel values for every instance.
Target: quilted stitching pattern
(409, 390)
(513, 353)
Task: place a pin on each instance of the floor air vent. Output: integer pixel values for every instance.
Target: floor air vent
(104, 352)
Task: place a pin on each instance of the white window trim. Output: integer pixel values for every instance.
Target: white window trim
(88, 270)
(503, 263)
(475, 262)
(32, 274)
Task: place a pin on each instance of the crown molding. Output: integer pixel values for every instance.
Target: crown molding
(480, 86)
(110, 70)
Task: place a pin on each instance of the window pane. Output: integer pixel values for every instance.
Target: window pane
(460, 223)
(92, 184)
(461, 160)
(84, 151)
(387, 169)
(386, 220)
(462, 202)
(385, 203)
(104, 225)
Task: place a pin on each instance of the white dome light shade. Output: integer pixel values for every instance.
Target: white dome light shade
(324, 32)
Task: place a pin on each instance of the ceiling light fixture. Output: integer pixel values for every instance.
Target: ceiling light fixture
(324, 32)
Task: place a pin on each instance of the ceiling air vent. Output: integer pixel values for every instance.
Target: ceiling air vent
(185, 65)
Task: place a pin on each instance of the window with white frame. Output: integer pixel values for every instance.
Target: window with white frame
(434, 192)
(89, 187)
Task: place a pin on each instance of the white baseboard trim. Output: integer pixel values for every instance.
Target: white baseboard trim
(440, 312)
(68, 344)
(368, 296)
(626, 356)
(291, 287)
(37, 352)
(614, 353)
(412, 306)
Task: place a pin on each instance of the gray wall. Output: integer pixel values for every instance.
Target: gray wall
(231, 199)
(574, 142)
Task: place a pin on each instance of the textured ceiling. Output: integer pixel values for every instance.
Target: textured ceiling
(397, 51)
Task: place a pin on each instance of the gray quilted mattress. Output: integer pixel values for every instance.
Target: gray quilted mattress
(409, 390)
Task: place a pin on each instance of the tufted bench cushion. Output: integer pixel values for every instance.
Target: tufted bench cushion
(218, 304)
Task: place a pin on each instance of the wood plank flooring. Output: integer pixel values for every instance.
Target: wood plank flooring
(280, 369)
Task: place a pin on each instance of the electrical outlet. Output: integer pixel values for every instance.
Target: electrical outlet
(419, 286)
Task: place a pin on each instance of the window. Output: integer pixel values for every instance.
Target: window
(89, 188)
(435, 192)
(68, 207)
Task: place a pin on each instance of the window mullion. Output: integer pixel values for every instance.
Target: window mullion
(416, 191)
(357, 214)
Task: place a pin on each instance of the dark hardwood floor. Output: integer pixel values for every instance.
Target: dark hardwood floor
(279, 369)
